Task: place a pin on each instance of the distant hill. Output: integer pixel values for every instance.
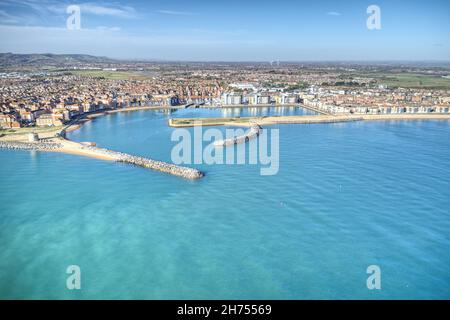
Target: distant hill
(49, 59)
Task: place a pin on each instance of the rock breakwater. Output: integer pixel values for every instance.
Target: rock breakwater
(91, 151)
(254, 131)
(176, 170)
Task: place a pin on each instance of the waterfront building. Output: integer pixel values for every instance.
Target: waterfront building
(26, 115)
(50, 119)
(264, 99)
(285, 98)
(44, 120)
(231, 99)
(9, 121)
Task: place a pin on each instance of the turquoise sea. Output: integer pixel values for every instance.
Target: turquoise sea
(347, 195)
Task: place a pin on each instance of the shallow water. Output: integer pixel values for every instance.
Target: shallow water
(347, 195)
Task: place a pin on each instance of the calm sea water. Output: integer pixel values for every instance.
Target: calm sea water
(346, 196)
(240, 112)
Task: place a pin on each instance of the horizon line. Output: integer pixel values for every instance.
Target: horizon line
(241, 61)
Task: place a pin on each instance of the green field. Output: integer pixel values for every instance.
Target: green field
(411, 80)
(112, 75)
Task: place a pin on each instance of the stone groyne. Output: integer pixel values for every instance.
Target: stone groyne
(37, 146)
(94, 152)
(184, 172)
(254, 131)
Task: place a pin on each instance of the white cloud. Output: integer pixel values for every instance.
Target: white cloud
(334, 13)
(101, 10)
(104, 28)
(56, 8)
(175, 13)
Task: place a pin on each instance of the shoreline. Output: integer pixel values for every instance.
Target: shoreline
(231, 121)
(50, 132)
(55, 141)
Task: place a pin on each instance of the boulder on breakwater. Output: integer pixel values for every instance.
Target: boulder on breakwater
(37, 146)
(184, 172)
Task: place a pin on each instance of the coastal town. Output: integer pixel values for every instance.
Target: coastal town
(234, 158)
(52, 96)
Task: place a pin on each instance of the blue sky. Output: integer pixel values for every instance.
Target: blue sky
(230, 30)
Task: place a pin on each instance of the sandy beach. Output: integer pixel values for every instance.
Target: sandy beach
(76, 148)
